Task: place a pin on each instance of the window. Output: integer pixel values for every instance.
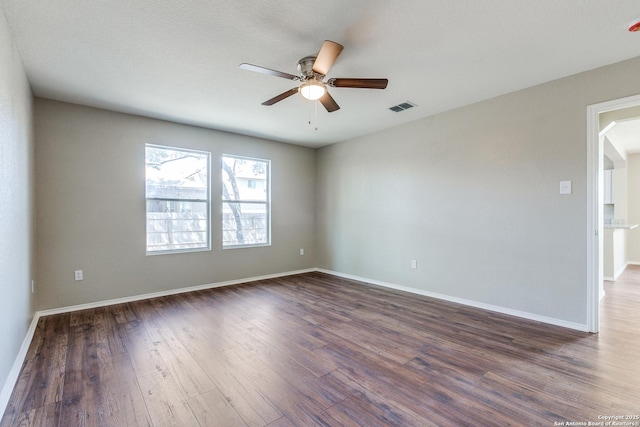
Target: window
(177, 193)
(245, 202)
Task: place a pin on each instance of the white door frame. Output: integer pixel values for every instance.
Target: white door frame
(595, 155)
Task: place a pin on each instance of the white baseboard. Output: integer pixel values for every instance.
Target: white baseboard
(620, 271)
(133, 298)
(471, 303)
(12, 378)
(10, 383)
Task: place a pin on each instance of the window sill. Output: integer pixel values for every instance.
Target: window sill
(259, 245)
(177, 251)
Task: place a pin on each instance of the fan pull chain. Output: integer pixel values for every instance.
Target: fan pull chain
(313, 122)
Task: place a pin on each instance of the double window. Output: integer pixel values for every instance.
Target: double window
(178, 200)
(245, 202)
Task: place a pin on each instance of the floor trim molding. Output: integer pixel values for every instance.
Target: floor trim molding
(133, 298)
(10, 383)
(620, 271)
(471, 303)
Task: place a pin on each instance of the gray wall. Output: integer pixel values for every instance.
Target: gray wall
(473, 196)
(91, 209)
(16, 203)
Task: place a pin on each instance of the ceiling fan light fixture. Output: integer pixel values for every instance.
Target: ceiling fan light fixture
(313, 90)
(312, 71)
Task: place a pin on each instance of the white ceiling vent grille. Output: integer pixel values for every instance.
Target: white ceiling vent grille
(401, 107)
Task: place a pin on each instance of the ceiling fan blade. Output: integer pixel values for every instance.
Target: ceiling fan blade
(329, 103)
(327, 56)
(281, 96)
(359, 83)
(263, 70)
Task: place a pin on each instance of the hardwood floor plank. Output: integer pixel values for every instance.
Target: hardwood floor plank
(315, 361)
(43, 372)
(165, 403)
(278, 366)
(82, 375)
(211, 409)
(305, 339)
(129, 401)
(373, 339)
(350, 355)
(408, 404)
(303, 410)
(100, 387)
(123, 313)
(43, 416)
(106, 331)
(467, 390)
(281, 422)
(188, 374)
(359, 410)
(254, 408)
(541, 409)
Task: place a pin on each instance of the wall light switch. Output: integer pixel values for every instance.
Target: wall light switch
(414, 263)
(565, 187)
(77, 275)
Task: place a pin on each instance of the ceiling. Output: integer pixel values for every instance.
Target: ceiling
(178, 60)
(626, 135)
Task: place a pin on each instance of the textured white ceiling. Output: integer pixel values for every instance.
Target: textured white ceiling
(178, 60)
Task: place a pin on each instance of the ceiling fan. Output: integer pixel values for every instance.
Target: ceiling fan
(312, 70)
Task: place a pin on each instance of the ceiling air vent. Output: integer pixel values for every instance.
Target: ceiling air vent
(401, 107)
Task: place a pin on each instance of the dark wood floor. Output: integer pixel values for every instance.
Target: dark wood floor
(314, 349)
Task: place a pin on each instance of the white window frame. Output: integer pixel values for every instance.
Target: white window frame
(207, 208)
(266, 203)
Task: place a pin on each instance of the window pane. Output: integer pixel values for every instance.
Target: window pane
(176, 174)
(245, 201)
(244, 224)
(177, 199)
(175, 225)
(244, 179)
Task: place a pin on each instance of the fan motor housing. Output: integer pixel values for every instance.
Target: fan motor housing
(305, 68)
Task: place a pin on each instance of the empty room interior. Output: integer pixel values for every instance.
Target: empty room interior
(297, 213)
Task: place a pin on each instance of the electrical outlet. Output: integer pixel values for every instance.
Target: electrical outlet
(78, 275)
(414, 263)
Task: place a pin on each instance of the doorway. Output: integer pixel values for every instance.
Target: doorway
(595, 225)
